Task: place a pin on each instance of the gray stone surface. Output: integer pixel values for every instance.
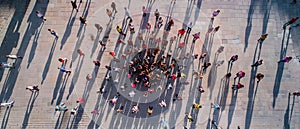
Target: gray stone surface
(256, 106)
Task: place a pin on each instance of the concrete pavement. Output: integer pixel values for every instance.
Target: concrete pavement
(263, 105)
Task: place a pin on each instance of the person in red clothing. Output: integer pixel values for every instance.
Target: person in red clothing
(180, 32)
(294, 19)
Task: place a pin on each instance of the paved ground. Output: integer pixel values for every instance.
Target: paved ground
(263, 105)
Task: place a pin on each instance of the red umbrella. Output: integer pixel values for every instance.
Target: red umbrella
(80, 100)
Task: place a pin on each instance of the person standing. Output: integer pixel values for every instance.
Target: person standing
(53, 32)
(257, 63)
(82, 20)
(262, 37)
(234, 58)
(189, 28)
(259, 77)
(238, 86)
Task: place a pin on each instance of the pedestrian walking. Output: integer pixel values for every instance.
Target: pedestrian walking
(82, 20)
(206, 65)
(219, 63)
(109, 13)
(156, 14)
(148, 27)
(80, 52)
(259, 77)
(119, 29)
(131, 29)
(32, 88)
(103, 45)
(101, 90)
(74, 110)
(7, 65)
(97, 62)
(7, 104)
(63, 69)
(202, 56)
(189, 117)
(220, 49)
(98, 26)
(95, 112)
(180, 33)
(286, 59)
(240, 74)
(160, 22)
(238, 86)
(88, 77)
(113, 6)
(11, 56)
(196, 106)
(74, 5)
(216, 29)
(215, 106)
(291, 21)
(196, 36)
(258, 63)
(61, 107)
(216, 13)
(189, 28)
(127, 13)
(53, 32)
(262, 37)
(234, 58)
(40, 15)
(63, 60)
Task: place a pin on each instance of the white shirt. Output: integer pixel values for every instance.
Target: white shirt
(39, 15)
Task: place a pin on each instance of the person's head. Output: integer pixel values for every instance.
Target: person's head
(218, 10)
(107, 10)
(290, 57)
(160, 18)
(37, 11)
(49, 29)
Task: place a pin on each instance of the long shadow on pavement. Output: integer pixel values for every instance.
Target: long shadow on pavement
(12, 33)
(48, 62)
(30, 105)
(33, 25)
